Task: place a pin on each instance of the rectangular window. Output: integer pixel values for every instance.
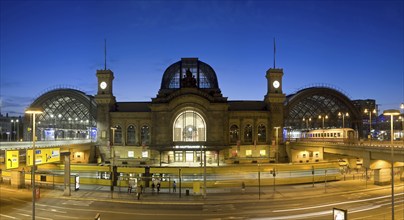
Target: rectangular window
(248, 153)
(262, 153)
(189, 156)
(178, 156)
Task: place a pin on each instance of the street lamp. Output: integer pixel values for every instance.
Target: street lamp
(323, 117)
(402, 122)
(60, 123)
(276, 143)
(307, 122)
(343, 117)
(392, 113)
(112, 161)
(18, 132)
(259, 182)
(54, 126)
(12, 129)
(370, 121)
(33, 112)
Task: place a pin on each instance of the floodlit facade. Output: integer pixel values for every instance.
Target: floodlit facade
(189, 120)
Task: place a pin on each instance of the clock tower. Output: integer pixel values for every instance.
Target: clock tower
(274, 100)
(105, 104)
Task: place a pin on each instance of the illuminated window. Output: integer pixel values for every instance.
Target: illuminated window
(131, 135)
(248, 133)
(262, 137)
(145, 135)
(248, 153)
(234, 134)
(262, 153)
(178, 156)
(118, 135)
(189, 126)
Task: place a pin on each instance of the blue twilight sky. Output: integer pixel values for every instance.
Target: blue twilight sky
(355, 46)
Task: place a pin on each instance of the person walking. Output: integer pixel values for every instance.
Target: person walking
(174, 187)
(152, 186)
(243, 187)
(158, 187)
(139, 191)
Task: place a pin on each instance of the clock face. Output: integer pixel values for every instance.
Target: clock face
(103, 85)
(276, 84)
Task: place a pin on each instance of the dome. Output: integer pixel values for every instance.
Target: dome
(189, 72)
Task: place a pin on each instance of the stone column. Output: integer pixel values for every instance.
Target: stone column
(67, 190)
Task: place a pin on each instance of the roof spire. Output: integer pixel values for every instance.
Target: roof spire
(274, 52)
(105, 54)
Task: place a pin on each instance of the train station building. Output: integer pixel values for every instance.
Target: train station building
(190, 121)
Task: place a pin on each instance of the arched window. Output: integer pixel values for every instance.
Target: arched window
(145, 135)
(189, 126)
(118, 135)
(131, 135)
(248, 134)
(234, 134)
(262, 133)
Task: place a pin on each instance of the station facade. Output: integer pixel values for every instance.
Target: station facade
(190, 121)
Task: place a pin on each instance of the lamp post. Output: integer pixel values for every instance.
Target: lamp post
(343, 117)
(323, 118)
(312, 173)
(54, 126)
(402, 122)
(259, 182)
(60, 124)
(12, 129)
(370, 122)
(112, 161)
(307, 122)
(33, 112)
(18, 128)
(392, 113)
(274, 175)
(276, 143)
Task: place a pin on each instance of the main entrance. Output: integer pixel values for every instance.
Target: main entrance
(189, 127)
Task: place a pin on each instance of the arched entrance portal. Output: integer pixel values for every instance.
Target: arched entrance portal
(189, 138)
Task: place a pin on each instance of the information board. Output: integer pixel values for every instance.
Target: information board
(12, 161)
(43, 155)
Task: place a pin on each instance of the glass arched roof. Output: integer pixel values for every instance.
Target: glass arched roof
(66, 107)
(176, 74)
(303, 109)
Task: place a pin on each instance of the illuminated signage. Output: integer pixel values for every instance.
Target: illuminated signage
(77, 182)
(339, 214)
(44, 155)
(12, 159)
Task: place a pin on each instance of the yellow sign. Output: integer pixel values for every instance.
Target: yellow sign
(52, 155)
(43, 155)
(12, 159)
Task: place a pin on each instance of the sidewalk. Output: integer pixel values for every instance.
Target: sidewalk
(218, 195)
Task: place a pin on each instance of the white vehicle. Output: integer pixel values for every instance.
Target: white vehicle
(346, 135)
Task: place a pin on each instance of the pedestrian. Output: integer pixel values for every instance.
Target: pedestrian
(243, 187)
(174, 187)
(138, 191)
(129, 188)
(152, 186)
(141, 188)
(158, 187)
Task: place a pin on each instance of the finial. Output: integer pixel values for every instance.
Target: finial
(274, 52)
(105, 54)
